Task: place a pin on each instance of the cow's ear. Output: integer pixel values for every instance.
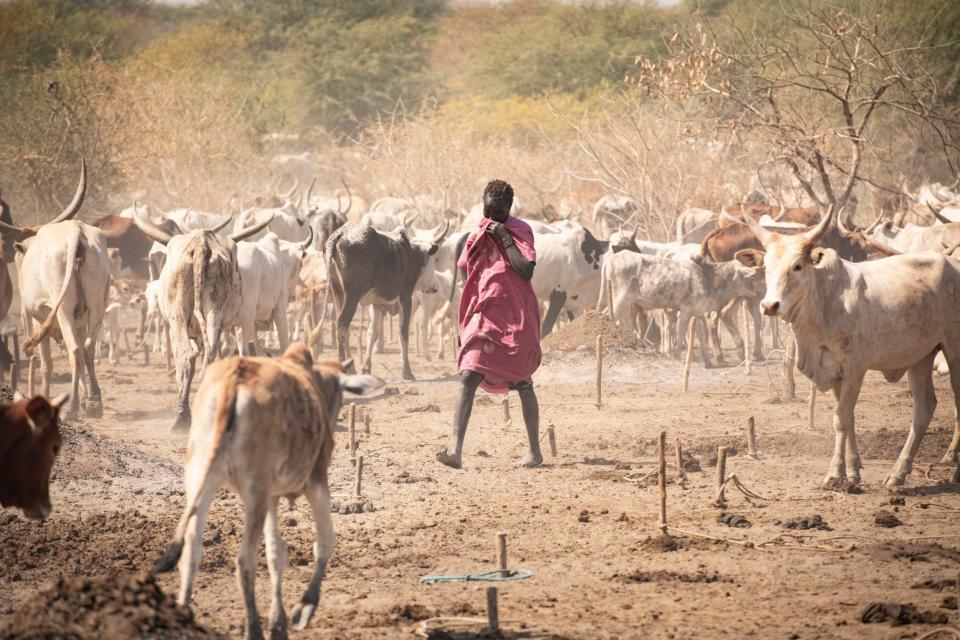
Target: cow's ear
(816, 255)
(750, 257)
(19, 247)
(433, 249)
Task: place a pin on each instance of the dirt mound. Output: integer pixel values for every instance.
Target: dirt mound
(582, 332)
(86, 456)
(125, 606)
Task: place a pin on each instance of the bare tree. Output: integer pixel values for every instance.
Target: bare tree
(837, 96)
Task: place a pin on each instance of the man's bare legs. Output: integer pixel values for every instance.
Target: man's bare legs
(469, 381)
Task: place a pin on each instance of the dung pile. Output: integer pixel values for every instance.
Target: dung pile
(125, 606)
(582, 332)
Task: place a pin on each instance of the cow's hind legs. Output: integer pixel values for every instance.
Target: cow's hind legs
(951, 457)
(405, 306)
(276, 563)
(94, 395)
(924, 404)
(846, 391)
(256, 511)
(319, 499)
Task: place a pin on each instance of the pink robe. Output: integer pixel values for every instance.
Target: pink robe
(499, 315)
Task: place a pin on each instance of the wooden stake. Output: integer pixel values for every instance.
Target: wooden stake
(493, 615)
(752, 438)
(691, 329)
(678, 450)
(812, 406)
(502, 554)
(357, 492)
(599, 401)
(552, 439)
(663, 486)
(366, 423)
(31, 377)
(353, 434)
(505, 410)
(789, 364)
(721, 472)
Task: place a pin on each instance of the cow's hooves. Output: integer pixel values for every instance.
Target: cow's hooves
(94, 409)
(302, 613)
(182, 424)
(894, 481)
(409, 377)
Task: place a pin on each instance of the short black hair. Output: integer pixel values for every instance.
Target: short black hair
(497, 196)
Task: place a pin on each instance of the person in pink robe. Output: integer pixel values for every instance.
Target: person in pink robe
(499, 320)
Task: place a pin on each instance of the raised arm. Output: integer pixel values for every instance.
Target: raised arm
(522, 266)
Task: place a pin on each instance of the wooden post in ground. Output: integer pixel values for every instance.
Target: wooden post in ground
(599, 401)
(752, 438)
(721, 472)
(493, 615)
(366, 423)
(789, 365)
(353, 433)
(552, 439)
(812, 406)
(678, 450)
(357, 490)
(691, 330)
(663, 486)
(502, 554)
(31, 377)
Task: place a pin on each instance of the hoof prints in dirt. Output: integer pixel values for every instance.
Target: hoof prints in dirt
(661, 575)
(899, 614)
(130, 606)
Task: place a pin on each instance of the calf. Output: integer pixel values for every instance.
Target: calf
(694, 288)
(264, 428)
(29, 444)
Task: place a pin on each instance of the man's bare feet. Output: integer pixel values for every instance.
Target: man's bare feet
(452, 461)
(530, 461)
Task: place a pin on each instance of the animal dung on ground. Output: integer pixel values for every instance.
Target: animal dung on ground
(814, 521)
(899, 614)
(733, 520)
(425, 408)
(351, 506)
(884, 518)
(582, 332)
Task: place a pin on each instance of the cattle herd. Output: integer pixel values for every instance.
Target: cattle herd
(232, 289)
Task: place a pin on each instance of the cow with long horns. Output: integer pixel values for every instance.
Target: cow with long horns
(199, 297)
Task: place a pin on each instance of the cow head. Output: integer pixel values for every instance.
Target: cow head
(789, 263)
(25, 476)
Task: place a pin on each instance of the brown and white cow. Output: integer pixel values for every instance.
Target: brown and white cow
(264, 428)
(199, 297)
(29, 444)
(890, 315)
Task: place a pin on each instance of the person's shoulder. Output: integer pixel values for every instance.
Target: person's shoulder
(516, 224)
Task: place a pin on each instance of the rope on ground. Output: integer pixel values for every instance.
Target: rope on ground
(488, 576)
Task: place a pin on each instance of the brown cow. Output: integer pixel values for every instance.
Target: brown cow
(29, 443)
(264, 428)
(132, 243)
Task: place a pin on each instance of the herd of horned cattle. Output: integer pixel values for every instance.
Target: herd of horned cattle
(883, 297)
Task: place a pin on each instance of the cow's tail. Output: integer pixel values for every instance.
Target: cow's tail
(201, 257)
(206, 483)
(73, 248)
(603, 298)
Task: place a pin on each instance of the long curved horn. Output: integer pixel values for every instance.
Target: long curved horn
(840, 226)
(152, 231)
(306, 243)
(349, 199)
(243, 234)
(633, 238)
(813, 236)
(78, 197)
(762, 235)
(939, 216)
(783, 212)
(310, 191)
(289, 194)
(882, 248)
(438, 237)
(875, 222)
(180, 227)
(17, 233)
(220, 226)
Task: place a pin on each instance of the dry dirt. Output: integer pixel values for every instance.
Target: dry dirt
(585, 523)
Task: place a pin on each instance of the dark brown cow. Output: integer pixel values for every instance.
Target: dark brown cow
(134, 245)
(29, 443)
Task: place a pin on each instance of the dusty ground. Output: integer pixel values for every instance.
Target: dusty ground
(577, 522)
